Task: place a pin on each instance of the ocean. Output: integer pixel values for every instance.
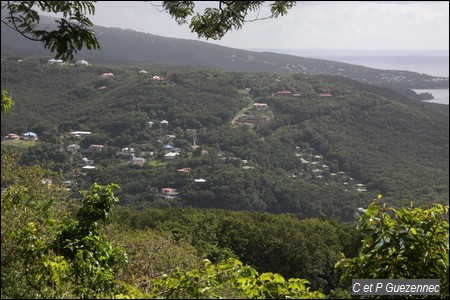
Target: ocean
(430, 62)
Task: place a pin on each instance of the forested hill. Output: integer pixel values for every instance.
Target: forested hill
(128, 45)
(312, 145)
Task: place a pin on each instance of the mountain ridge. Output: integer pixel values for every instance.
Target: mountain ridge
(127, 45)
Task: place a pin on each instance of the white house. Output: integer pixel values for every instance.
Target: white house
(73, 148)
(171, 155)
(82, 63)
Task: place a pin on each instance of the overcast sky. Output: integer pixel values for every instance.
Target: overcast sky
(309, 25)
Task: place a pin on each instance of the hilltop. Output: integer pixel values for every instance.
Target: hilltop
(125, 46)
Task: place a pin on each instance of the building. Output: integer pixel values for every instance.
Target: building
(30, 136)
(168, 193)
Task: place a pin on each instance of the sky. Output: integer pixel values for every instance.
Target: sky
(406, 25)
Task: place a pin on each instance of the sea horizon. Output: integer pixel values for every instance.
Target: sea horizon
(430, 62)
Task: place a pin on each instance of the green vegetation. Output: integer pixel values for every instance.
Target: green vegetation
(50, 243)
(199, 223)
(400, 243)
(312, 157)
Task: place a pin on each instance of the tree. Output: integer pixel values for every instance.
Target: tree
(46, 253)
(410, 243)
(233, 280)
(214, 23)
(7, 102)
(72, 32)
(73, 29)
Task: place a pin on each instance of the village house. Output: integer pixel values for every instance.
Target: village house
(325, 95)
(260, 106)
(79, 134)
(81, 63)
(171, 155)
(30, 136)
(12, 136)
(128, 151)
(107, 75)
(284, 93)
(136, 161)
(168, 193)
(96, 147)
(73, 148)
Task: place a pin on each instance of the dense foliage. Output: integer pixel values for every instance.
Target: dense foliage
(401, 243)
(309, 156)
(48, 256)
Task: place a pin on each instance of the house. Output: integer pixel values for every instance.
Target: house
(30, 136)
(128, 151)
(12, 136)
(87, 168)
(168, 193)
(164, 123)
(143, 72)
(107, 75)
(171, 155)
(184, 170)
(96, 147)
(78, 134)
(326, 95)
(260, 106)
(136, 160)
(157, 78)
(87, 161)
(73, 148)
(82, 63)
(46, 181)
(284, 93)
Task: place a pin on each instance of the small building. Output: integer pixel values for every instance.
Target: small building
(87, 168)
(30, 136)
(143, 72)
(78, 134)
(102, 88)
(260, 106)
(157, 78)
(81, 63)
(325, 95)
(168, 193)
(73, 148)
(136, 160)
(190, 130)
(96, 147)
(184, 170)
(284, 93)
(164, 123)
(128, 151)
(107, 75)
(55, 61)
(12, 136)
(171, 155)
(200, 180)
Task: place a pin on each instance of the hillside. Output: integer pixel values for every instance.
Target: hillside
(301, 153)
(119, 46)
